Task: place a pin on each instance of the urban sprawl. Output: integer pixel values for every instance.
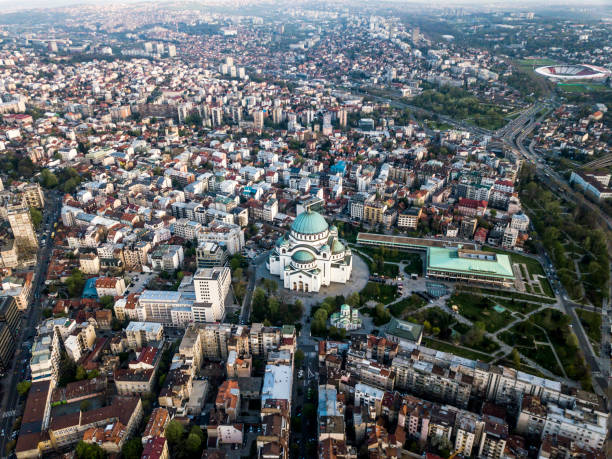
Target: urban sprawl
(305, 230)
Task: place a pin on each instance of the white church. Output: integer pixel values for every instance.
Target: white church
(310, 256)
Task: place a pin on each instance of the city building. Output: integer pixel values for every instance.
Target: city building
(139, 334)
(211, 254)
(310, 255)
(347, 319)
(22, 227)
(211, 286)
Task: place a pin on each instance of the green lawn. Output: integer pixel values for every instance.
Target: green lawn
(392, 255)
(516, 305)
(536, 62)
(523, 334)
(508, 294)
(532, 264)
(523, 337)
(591, 321)
(480, 309)
(406, 306)
(447, 347)
(381, 293)
(582, 87)
(565, 343)
(415, 265)
(543, 355)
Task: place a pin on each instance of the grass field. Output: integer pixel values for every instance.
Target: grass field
(447, 347)
(406, 306)
(381, 293)
(582, 87)
(591, 321)
(543, 355)
(480, 309)
(536, 62)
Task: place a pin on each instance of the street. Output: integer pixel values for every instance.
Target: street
(11, 406)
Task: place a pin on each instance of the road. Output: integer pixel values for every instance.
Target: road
(515, 136)
(245, 310)
(11, 406)
(394, 102)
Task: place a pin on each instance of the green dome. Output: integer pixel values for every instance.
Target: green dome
(309, 223)
(337, 246)
(302, 256)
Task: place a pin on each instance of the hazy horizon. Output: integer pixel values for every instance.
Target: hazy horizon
(48, 4)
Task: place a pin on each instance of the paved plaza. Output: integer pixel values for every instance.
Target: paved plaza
(359, 279)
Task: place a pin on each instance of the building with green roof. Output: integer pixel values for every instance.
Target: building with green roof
(401, 332)
(310, 256)
(450, 260)
(469, 266)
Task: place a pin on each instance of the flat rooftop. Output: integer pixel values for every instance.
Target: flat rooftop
(277, 383)
(470, 262)
(410, 242)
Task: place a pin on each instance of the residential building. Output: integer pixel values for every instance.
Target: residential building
(409, 218)
(22, 227)
(110, 286)
(211, 286)
(140, 334)
(211, 254)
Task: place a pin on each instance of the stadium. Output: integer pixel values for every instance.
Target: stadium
(573, 72)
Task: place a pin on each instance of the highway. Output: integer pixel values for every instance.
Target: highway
(515, 135)
(11, 406)
(394, 102)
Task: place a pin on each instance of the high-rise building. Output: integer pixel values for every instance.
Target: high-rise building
(258, 119)
(7, 346)
(416, 35)
(217, 116)
(9, 324)
(277, 115)
(21, 225)
(10, 314)
(342, 118)
(171, 50)
(32, 195)
(211, 288)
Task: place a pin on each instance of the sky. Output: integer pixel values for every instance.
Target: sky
(25, 4)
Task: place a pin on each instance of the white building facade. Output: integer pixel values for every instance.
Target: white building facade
(310, 256)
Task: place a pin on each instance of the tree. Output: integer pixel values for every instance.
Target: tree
(174, 431)
(197, 431)
(10, 445)
(107, 302)
(80, 373)
(236, 261)
(36, 216)
(193, 442)
(516, 358)
(48, 179)
(89, 451)
(23, 387)
(132, 449)
(270, 285)
(85, 405)
(75, 283)
(353, 299)
(299, 358)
